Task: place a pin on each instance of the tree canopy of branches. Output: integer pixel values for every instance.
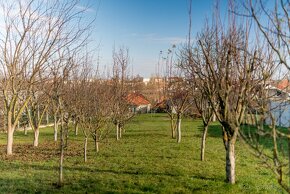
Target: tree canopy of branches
(273, 22)
(31, 40)
(176, 93)
(120, 106)
(228, 70)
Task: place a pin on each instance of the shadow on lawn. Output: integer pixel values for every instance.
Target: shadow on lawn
(84, 168)
(214, 130)
(145, 134)
(202, 177)
(95, 184)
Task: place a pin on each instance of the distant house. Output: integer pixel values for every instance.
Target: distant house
(279, 104)
(139, 104)
(284, 85)
(161, 106)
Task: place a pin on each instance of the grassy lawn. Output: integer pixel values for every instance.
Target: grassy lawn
(146, 159)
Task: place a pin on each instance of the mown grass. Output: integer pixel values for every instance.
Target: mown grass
(145, 160)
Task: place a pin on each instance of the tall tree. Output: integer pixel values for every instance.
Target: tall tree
(176, 92)
(273, 22)
(36, 108)
(229, 69)
(206, 111)
(32, 36)
(120, 107)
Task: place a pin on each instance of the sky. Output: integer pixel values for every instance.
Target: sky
(145, 27)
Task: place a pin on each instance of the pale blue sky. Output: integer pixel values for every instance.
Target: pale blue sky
(145, 27)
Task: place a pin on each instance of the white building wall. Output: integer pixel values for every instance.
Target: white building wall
(281, 112)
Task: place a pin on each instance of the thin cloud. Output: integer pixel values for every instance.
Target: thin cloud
(152, 37)
(171, 40)
(86, 9)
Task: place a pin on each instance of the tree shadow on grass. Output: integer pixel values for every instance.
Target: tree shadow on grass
(84, 185)
(84, 168)
(126, 172)
(253, 138)
(145, 134)
(214, 130)
(96, 184)
(202, 177)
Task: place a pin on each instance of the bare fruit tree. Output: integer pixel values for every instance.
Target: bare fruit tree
(178, 101)
(120, 107)
(101, 123)
(31, 37)
(229, 68)
(59, 90)
(36, 108)
(273, 22)
(176, 92)
(189, 60)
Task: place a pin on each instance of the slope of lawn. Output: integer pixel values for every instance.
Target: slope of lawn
(145, 160)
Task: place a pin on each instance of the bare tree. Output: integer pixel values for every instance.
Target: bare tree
(203, 106)
(199, 96)
(59, 86)
(228, 68)
(273, 22)
(36, 108)
(168, 89)
(32, 36)
(265, 104)
(177, 94)
(94, 113)
(101, 124)
(88, 97)
(178, 102)
(120, 107)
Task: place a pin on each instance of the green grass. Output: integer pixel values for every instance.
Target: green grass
(145, 160)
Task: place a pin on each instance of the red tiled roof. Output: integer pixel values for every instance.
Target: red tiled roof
(283, 84)
(161, 104)
(137, 99)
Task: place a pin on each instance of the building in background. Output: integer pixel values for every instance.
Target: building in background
(138, 103)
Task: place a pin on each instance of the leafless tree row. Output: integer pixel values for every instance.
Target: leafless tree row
(47, 70)
(230, 68)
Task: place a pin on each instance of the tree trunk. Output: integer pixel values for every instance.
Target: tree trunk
(117, 131)
(66, 135)
(85, 149)
(96, 141)
(173, 128)
(229, 144)
(120, 131)
(55, 127)
(36, 137)
(47, 118)
(213, 117)
(60, 182)
(10, 132)
(178, 128)
(203, 142)
(76, 128)
(230, 163)
(4, 123)
(25, 129)
(97, 146)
